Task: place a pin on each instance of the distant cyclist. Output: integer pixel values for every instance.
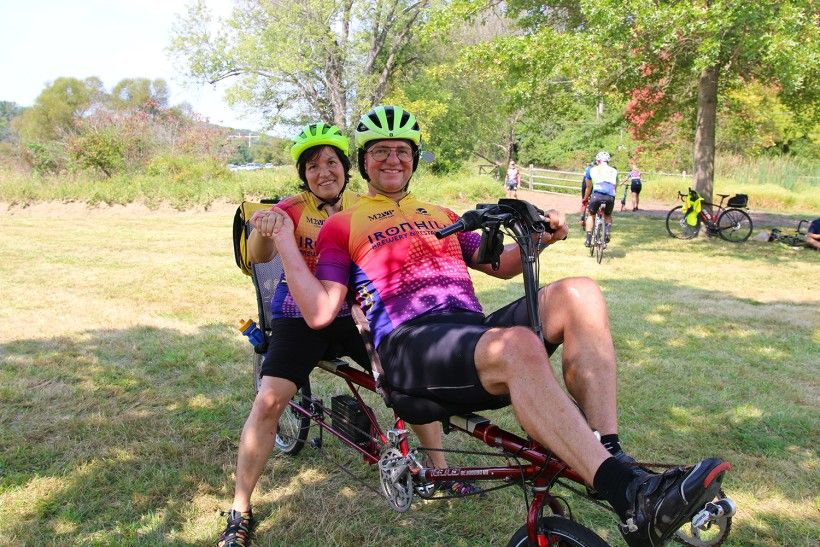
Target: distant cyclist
(634, 179)
(513, 180)
(601, 193)
(584, 199)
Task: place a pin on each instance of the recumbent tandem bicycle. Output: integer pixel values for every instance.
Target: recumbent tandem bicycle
(402, 471)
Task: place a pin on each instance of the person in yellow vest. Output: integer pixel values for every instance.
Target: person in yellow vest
(320, 153)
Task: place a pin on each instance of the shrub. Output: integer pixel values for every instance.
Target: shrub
(101, 150)
(188, 168)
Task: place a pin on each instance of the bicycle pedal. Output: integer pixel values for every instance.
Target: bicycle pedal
(316, 443)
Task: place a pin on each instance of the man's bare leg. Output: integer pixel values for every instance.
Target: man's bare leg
(513, 361)
(573, 311)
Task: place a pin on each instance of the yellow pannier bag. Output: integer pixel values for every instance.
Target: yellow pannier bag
(692, 207)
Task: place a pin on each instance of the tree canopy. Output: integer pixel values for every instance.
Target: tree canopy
(299, 59)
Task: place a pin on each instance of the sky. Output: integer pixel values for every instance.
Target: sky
(42, 40)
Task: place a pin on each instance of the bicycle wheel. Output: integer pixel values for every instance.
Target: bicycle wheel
(292, 430)
(677, 227)
(600, 242)
(734, 225)
(559, 531)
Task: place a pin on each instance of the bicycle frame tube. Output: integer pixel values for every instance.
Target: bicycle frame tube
(528, 258)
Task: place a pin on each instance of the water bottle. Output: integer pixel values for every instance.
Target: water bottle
(252, 331)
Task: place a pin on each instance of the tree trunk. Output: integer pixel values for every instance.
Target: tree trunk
(705, 132)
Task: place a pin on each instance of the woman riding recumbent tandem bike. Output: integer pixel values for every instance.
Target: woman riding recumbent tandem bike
(385, 443)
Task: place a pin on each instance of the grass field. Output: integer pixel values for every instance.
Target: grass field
(124, 384)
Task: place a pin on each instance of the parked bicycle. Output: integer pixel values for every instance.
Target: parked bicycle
(797, 239)
(598, 236)
(731, 223)
(402, 471)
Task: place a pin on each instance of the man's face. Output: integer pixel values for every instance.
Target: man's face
(389, 164)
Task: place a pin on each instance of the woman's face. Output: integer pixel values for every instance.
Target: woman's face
(325, 174)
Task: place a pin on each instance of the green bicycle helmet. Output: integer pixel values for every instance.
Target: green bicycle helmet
(310, 138)
(387, 122)
(317, 134)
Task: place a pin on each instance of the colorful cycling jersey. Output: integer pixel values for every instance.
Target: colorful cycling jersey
(603, 179)
(388, 255)
(308, 220)
(634, 176)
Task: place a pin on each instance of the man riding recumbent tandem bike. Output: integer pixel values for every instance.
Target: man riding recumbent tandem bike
(385, 442)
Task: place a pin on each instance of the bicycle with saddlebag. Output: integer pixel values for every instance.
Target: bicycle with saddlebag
(385, 444)
(731, 223)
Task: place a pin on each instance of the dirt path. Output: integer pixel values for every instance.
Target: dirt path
(570, 205)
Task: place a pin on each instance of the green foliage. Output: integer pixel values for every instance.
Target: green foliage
(181, 168)
(103, 150)
(753, 120)
(45, 158)
(8, 111)
(296, 59)
(58, 108)
(140, 94)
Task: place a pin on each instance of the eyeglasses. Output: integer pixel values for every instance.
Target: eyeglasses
(381, 153)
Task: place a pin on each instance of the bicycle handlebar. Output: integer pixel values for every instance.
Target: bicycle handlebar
(507, 212)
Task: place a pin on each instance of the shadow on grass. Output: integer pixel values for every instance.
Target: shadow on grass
(109, 435)
(639, 232)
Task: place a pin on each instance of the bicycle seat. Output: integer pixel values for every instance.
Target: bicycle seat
(417, 410)
(722, 195)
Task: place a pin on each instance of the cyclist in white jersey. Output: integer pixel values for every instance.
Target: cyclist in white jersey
(601, 193)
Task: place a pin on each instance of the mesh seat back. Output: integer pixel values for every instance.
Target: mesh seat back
(266, 278)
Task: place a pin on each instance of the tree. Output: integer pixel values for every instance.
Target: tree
(8, 111)
(58, 108)
(140, 94)
(684, 57)
(296, 59)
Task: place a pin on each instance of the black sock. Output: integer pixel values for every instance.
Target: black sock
(612, 443)
(611, 480)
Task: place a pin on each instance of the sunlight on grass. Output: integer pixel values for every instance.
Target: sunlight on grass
(744, 412)
(200, 401)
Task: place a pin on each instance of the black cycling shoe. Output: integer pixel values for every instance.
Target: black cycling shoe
(239, 530)
(663, 503)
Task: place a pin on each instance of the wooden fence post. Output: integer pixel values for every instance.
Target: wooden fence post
(530, 177)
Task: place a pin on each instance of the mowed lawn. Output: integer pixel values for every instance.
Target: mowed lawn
(124, 384)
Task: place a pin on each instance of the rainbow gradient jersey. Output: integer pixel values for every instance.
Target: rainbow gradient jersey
(388, 255)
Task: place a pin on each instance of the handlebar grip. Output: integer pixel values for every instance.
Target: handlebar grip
(458, 226)
(469, 221)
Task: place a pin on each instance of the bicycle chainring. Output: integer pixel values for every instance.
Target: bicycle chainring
(396, 479)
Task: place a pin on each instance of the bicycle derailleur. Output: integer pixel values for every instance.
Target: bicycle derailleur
(395, 472)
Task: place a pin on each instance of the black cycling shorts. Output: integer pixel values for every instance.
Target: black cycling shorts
(597, 199)
(294, 348)
(635, 187)
(433, 356)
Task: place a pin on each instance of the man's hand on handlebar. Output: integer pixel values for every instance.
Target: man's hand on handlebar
(557, 221)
